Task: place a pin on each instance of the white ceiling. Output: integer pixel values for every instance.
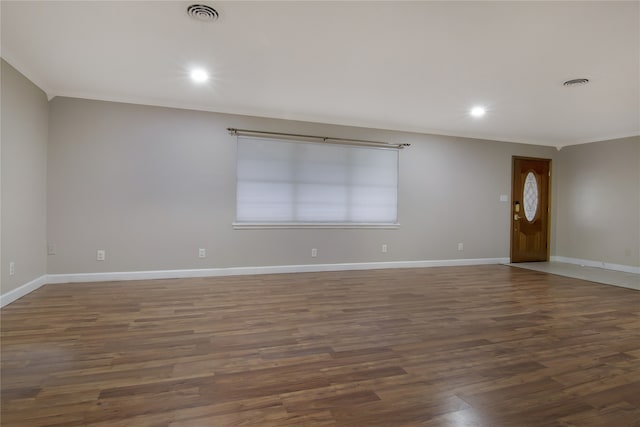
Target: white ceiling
(414, 66)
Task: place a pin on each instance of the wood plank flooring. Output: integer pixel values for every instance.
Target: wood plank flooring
(456, 346)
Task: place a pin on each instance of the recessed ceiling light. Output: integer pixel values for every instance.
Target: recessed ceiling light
(199, 75)
(478, 111)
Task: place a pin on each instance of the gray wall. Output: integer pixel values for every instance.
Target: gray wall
(24, 119)
(599, 202)
(152, 185)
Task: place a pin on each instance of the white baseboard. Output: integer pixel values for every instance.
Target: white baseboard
(235, 271)
(275, 269)
(23, 290)
(598, 264)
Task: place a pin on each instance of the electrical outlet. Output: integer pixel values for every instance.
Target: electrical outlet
(101, 255)
(461, 246)
(202, 253)
(12, 268)
(384, 248)
(51, 249)
(314, 253)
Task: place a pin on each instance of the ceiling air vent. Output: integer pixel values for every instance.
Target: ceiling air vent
(202, 12)
(576, 82)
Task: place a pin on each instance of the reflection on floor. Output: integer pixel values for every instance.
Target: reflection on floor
(592, 274)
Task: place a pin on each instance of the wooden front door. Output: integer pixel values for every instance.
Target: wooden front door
(530, 209)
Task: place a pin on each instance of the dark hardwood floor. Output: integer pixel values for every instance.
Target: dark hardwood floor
(460, 346)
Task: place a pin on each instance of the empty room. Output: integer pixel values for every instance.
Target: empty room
(320, 213)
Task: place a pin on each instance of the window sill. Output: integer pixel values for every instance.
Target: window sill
(320, 225)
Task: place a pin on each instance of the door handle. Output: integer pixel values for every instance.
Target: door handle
(516, 217)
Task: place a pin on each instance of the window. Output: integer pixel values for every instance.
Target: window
(530, 196)
(282, 182)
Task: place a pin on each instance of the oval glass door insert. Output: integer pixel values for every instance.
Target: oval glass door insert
(530, 196)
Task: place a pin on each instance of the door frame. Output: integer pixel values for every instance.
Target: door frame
(511, 204)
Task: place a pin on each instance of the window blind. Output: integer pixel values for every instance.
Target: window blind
(281, 181)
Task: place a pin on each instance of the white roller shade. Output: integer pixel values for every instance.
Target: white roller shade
(281, 181)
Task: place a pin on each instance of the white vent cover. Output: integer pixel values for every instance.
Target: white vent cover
(202, 12)
(576, 82)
